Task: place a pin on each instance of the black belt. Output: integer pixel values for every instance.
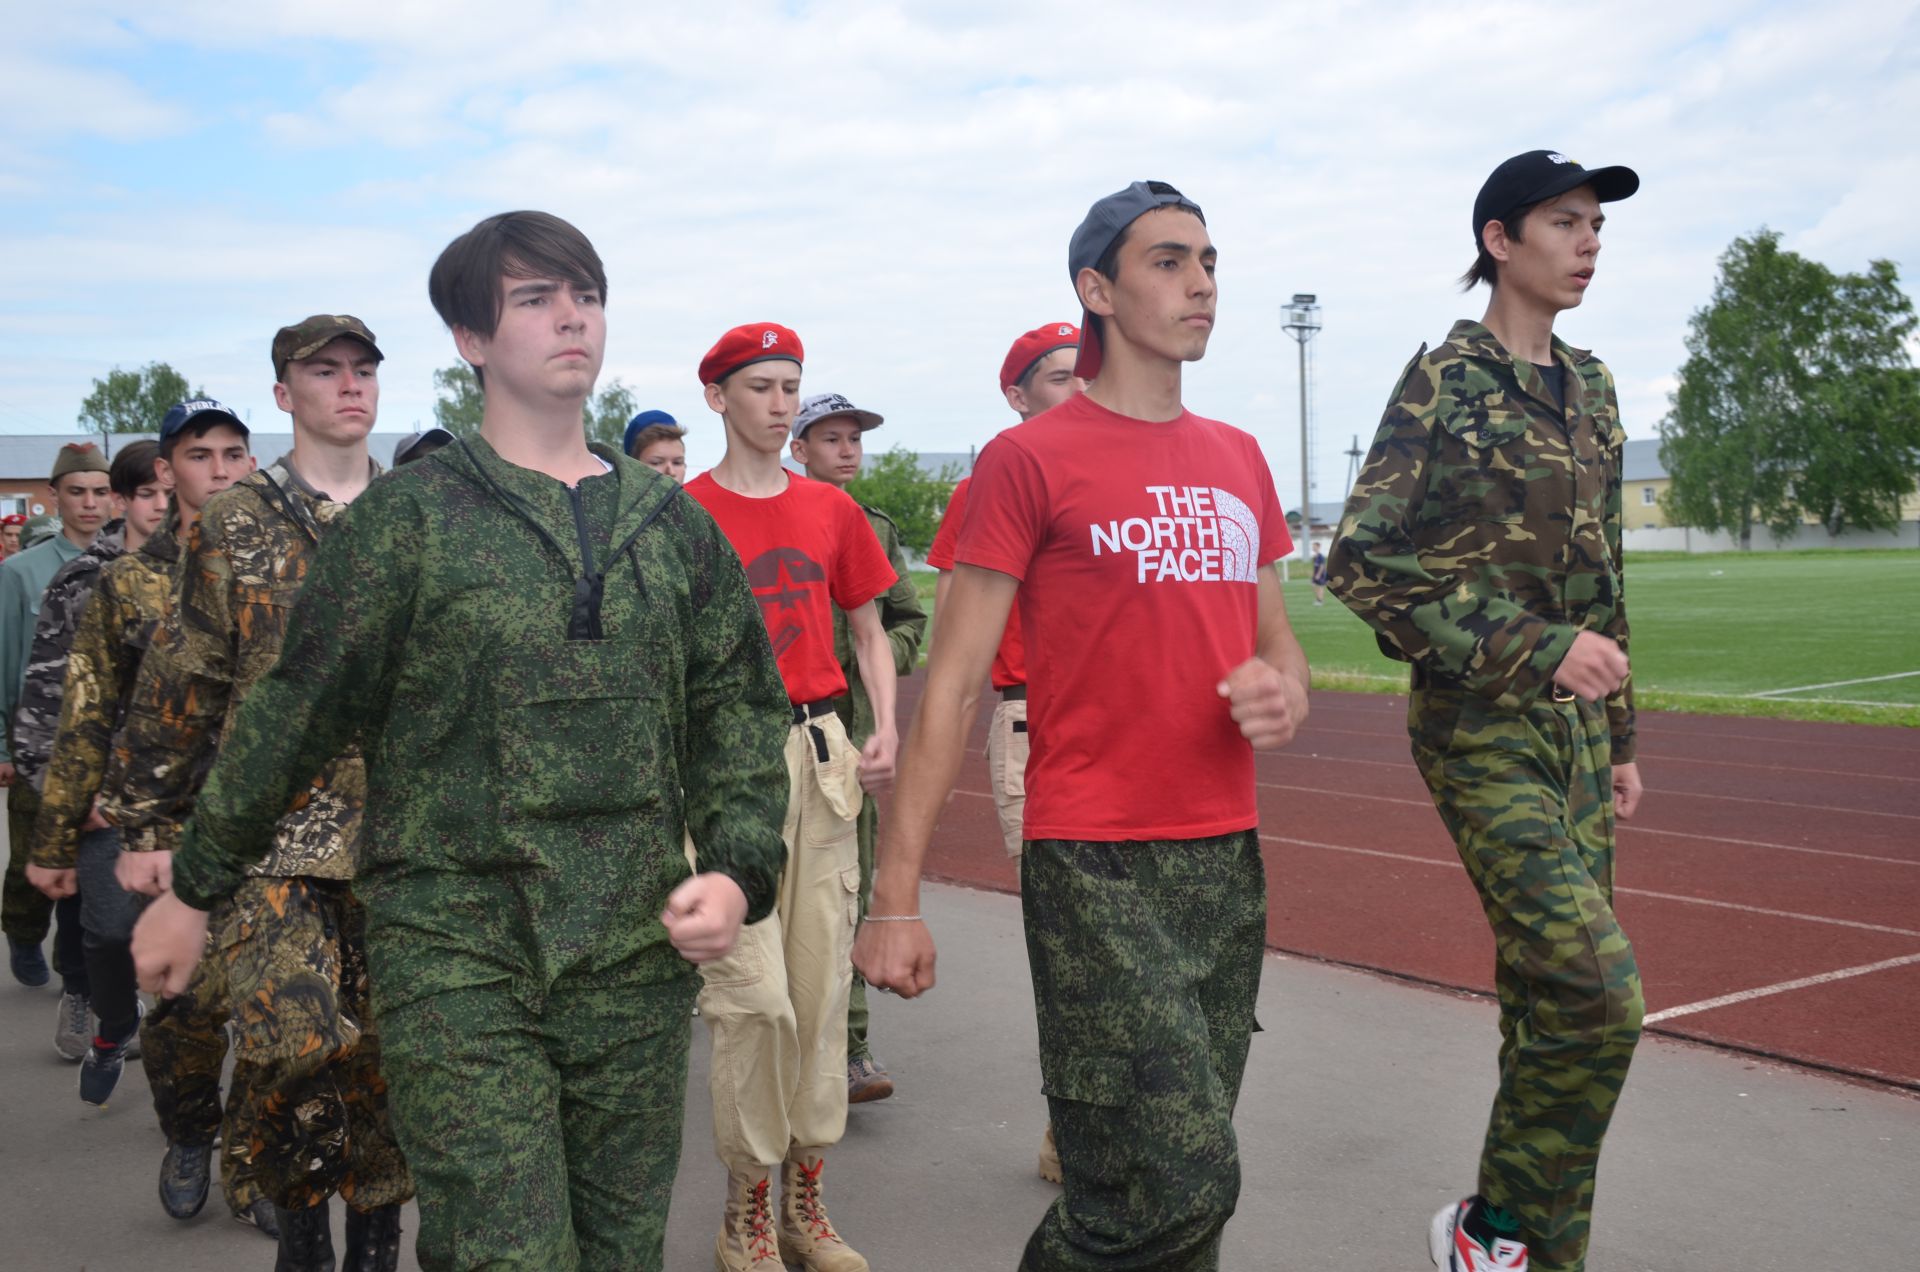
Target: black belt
(1014, 693)
(1424, 678)
(812, 710)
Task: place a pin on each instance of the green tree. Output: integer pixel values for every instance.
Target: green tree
(1798, 398)
(897, 485)
(458, 406)
(134, 401)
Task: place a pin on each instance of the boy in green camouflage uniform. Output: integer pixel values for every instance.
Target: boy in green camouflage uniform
(556, 669)
(287, 954)
(1482, 544)
(828, 442)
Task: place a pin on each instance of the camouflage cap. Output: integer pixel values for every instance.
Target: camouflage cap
(79, 457)
(309, 336)
(39, 530)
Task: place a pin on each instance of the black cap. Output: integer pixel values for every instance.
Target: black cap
(1538, 175)
(1103, 224)
(419, 445)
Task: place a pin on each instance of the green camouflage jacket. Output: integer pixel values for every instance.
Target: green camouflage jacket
(1483, 532)
(903, 618)
(116, 627)
(37, 715)
(246, 560)
(553, 687)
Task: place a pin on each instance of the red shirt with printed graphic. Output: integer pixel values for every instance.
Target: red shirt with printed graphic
(806, 550)
(1137, 545)
(1010, 660)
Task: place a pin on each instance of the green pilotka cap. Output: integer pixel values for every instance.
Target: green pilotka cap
(79, 457)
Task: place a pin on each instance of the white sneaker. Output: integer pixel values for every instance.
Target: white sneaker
(73, 1027)
(1462, 1238)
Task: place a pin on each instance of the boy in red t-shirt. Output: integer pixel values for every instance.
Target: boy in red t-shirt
(777, 1005)
(1137, 537)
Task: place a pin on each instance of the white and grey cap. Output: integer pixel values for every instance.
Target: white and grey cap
(826, 405)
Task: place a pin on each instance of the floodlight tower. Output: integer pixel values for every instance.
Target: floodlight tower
(1302, 321)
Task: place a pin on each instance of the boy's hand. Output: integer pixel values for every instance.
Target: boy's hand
(147, 873)
(167, 943)
(895, 958)
(1593, 667)
(877, 760)
(55, 883)
(703, 916)
(1268, 706)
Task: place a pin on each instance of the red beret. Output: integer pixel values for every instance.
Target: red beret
(1035, 345)
(744, 345)
(14, 519)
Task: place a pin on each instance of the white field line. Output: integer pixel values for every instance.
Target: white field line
(1758, 843)
(1836, 684)
(1632, 892)
(1764, 991)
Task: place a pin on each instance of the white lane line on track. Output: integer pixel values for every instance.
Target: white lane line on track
(1834, 684)
(1632, 892)
(1765, 991)
(1781, 767)
(1760, 843)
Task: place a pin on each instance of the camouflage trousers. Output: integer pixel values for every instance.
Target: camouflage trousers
(1528, 798)
(182, 1049)
(1146, 963)
(25, 912)
(865, 828)
(543, 1124)
(289, 955)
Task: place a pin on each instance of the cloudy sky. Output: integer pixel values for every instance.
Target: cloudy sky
(898, 182)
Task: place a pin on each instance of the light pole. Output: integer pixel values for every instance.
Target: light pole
(1303, 320)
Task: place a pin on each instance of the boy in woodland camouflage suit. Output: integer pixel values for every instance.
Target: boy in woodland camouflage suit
(556, 669)
(1482, 544)
(289, 956)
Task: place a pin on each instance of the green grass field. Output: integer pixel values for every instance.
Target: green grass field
(1738, 634)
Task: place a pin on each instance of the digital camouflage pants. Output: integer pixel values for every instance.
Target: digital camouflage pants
(25, 912)
(1528, 798)
(1146, 963)
(292, 954)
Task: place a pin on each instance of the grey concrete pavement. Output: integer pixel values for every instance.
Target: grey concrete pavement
(1361, 1114)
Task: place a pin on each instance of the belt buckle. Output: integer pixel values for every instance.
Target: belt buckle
(1563, 695)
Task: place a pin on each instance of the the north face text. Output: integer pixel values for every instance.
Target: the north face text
(1197, 534)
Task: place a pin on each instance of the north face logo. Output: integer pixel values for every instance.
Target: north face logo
(1200, 534)
(768, 339)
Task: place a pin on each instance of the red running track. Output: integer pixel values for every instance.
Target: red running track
(1770, 883)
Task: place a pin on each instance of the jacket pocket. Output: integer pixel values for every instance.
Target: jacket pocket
(580, 734)
(1483, 474)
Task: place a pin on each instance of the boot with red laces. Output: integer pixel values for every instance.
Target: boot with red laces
(806, 1234)
(746, 1242)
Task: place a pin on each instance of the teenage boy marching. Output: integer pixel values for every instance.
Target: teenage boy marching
(829, 442)
(777, 1006)
(1482, 544)
(555, 669)
(1137, 537)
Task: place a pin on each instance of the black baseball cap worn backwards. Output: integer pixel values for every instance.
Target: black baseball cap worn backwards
(1539, 175)
(1105, 221)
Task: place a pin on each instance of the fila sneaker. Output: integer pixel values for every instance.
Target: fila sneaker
(1472, 1236)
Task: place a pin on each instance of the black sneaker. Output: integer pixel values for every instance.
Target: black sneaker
(29, 964)
(258, 1213)
(100, 1072)
(306, 1239)
(373, 1240)
(183, 1179)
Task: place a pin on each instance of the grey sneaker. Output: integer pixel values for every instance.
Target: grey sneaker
(867, 1081)
(73, 1027)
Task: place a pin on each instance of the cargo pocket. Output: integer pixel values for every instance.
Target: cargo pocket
(580, 733)
(836, 767)
(1013, 750)
(850, 884)
(1104, 1081)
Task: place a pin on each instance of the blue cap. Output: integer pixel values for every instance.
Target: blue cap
(641, 421)
(184, 413)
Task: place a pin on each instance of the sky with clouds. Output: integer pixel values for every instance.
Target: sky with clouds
(898, 181)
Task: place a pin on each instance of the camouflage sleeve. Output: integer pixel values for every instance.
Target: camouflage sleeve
(179, 702)
(37, 714)
(901, 612)
(737, 711)
(1418, 596)
(79, 754)
(1620, 722)
(343, 640)
(16, 635)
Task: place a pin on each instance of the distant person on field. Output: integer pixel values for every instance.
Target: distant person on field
(1319, 575)
(1483, 547)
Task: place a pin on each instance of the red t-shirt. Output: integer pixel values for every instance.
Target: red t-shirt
(806, 550)
(1010, 660)
(1137, 545)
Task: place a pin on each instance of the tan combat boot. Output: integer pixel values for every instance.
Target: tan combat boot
(746, 1242)
(806, 1234)
(1049, 1158)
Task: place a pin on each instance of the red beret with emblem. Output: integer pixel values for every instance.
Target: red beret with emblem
(1035, 345)
(747, 344)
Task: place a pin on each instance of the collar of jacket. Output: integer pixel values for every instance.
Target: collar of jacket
(481, 464)
(1472, 340)
(163, 545)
